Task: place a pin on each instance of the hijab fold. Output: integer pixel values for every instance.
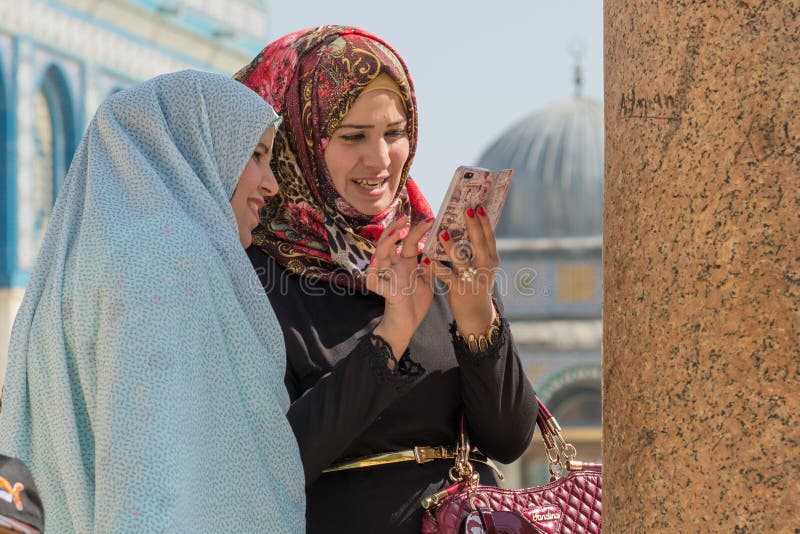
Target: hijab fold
(145, 380)
(312, 78)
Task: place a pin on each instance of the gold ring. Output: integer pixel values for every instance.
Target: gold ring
(468, 274)
(383, 274)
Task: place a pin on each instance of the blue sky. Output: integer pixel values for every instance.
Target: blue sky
(478, 68)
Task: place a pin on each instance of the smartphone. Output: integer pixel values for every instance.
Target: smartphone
(469, 188)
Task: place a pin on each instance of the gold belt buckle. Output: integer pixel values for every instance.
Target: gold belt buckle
(427, 454)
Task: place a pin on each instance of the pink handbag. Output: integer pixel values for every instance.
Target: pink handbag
(570, 503)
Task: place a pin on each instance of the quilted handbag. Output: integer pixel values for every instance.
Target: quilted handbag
(570, 502)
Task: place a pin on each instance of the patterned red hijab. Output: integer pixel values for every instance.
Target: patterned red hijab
(312, 78)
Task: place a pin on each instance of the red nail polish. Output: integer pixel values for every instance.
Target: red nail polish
(445, 235)
(481, 211)
(429, 219)
(392, 233)
(470, 213)
(426, 261)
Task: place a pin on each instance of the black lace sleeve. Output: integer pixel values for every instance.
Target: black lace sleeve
(402, 373)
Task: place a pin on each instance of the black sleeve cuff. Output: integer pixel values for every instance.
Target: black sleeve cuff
(492, 353)
(399, 373)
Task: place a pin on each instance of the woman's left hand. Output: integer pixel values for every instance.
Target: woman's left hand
(470, 281)
(407, 287)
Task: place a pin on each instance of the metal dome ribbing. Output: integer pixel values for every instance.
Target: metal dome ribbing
(558, 157)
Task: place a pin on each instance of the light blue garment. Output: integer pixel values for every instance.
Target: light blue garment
(145, 379)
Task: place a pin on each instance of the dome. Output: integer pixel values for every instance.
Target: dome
(557, 154)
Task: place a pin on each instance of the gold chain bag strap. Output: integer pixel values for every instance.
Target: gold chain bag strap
(570, 502)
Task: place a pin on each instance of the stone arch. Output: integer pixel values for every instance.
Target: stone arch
(554, 388)
(53, 131)
(7, 223)
(55, 90)
(578, 404)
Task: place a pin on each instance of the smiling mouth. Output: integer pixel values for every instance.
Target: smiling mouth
(255, 206)
(370, 184)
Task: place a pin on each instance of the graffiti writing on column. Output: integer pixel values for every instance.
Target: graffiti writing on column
(656, 106)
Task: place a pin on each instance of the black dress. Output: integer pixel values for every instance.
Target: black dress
(347, 403)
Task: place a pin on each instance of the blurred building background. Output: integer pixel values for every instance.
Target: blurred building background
(58, 60)
(550, 244)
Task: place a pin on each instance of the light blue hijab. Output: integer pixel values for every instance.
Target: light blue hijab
(145, 380)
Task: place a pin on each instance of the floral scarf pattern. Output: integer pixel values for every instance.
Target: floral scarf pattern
(312, 78)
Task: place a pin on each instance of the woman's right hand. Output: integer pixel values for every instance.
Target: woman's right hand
(407, 287)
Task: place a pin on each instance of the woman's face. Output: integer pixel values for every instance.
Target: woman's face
(366, 154)
(255, 183)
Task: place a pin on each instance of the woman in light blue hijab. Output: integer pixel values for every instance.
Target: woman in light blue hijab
(145, 379)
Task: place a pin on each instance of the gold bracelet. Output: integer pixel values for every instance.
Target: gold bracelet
(481, 342)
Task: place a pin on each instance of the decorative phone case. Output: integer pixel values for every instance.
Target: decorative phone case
(469, 188)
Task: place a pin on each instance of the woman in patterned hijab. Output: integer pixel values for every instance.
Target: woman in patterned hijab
(313, 78)
(376, 363)
(145, 380)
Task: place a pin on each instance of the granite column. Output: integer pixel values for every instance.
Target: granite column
(701, 341)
